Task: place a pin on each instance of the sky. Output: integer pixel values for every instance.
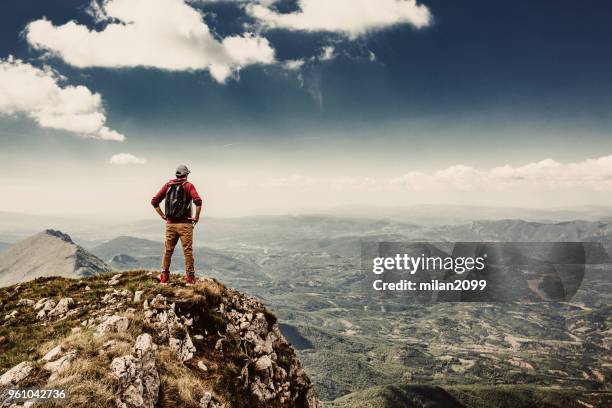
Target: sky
(292, 106)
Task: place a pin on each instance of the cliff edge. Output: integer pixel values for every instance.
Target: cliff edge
(125, 341)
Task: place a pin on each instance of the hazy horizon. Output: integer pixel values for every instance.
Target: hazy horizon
(444, 211)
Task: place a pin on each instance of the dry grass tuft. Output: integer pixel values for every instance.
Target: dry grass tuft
(88, 344)
(181, 387)
(90, 393)
(88, 377)
(89, 382)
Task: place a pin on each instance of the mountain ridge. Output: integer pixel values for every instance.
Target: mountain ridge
(50, 252)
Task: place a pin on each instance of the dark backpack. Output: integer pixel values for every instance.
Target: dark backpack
(177, 202)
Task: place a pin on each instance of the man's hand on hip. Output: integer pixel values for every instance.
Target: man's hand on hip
(160, 213)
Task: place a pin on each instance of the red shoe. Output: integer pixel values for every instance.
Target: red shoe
(190, 280)
(164, 277)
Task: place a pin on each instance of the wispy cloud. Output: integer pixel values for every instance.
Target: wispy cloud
(39, 94)
(311, 82)
(123, 159)
(164, 34)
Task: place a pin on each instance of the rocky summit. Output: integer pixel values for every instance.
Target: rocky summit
(125, 341)
(49, 253)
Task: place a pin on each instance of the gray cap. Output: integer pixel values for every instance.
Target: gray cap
(182, 171)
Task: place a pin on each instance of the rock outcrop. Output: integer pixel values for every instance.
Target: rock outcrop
(266, 374)
(113, 324)
(16, 374)
(137, 374)
(140, 344)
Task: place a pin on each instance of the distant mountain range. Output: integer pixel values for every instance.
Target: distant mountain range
(336, 221)
(441, 214)
(128, 245)
(520, 230)
(231, 242)
(49, 253)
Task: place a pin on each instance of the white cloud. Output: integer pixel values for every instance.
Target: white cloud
(123, 159)
(164, 34)
(352, 18)
(592, 174)
(327, 53)
(293, 65)
(38, 94)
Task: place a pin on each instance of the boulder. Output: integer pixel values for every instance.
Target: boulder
(11, 315)
(124, 367)
(40, 304)
(59, 365)
(137, 375)
(263, 363)
(208, 401)
(115, 280)
(165, 321)
(117, 297)
(137, 296)
(61, 308)
(16, 374)
(262, 391)
(144, 345)
(205, 400)
(53, 354)
(44, 308)
(159, 302)
(113, 324)
(184, 348)
(25, 302)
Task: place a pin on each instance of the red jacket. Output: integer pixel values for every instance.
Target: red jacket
(189, 189)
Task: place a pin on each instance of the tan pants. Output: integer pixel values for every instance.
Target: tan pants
(174, 232)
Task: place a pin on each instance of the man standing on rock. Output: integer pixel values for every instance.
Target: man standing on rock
(178, 194)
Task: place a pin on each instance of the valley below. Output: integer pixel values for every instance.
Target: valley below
(357, 347)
